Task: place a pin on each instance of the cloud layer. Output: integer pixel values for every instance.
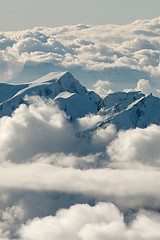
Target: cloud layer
(47, 164)
(91, 53)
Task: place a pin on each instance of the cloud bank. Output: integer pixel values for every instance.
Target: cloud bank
(47, 165)
(91, 53)
(82, 222)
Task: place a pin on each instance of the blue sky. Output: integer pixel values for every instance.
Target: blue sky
(22, 14)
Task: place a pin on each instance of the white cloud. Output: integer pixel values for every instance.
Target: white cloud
(36, 129)
(128, 188)
(84, 51)
(145, 87)
(136, 145)
(47, 148)
(82, 222)
(89, 121)
(103, 136)
(42, 128)
(102, 88)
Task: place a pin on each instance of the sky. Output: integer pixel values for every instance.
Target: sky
(22, 14)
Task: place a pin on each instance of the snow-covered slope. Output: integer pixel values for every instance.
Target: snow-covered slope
(117, 102)
(121, 99)
(130, 110)
(7, 91)
(125, 110)
(77, 104)
(141, 114)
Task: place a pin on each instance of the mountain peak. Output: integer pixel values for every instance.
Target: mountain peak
(48, 86)
(52, 76)
(64, 80)
(139, 114)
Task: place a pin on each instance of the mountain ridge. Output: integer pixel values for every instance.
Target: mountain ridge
(123, 109)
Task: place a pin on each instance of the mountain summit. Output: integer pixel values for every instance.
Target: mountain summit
(62, 87)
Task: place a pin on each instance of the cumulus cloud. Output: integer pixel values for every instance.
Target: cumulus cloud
(82, 222)
(102, 88)
(136, 145)
(42, 128)
(144, 86)
(90, 52)
(36, 129)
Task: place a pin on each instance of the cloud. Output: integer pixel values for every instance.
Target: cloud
(5, 42)
(9, 66)
(101, 87)
(59, 156)
(128, 188)
(42, 128)
(103, 137)
(10, 221)
(36, 129)
(138, 44)
(48, 163)
(89, 121)
(144, 86)
(82, 222)
(84, 51)
(136, 145)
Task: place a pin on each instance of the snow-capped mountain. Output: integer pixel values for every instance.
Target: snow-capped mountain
(124, 109)
(121, 99)
(130, 110)
(76, 105)
(117, 102)
(140, 113)
(63, 87)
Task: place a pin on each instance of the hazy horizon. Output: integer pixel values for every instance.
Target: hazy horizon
(21, 15)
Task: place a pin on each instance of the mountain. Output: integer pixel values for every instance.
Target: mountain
(142, 113)
(76, 100)
(123, 109)
(76, 105)
(121, 99)
(117, 102)
(7, 91)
